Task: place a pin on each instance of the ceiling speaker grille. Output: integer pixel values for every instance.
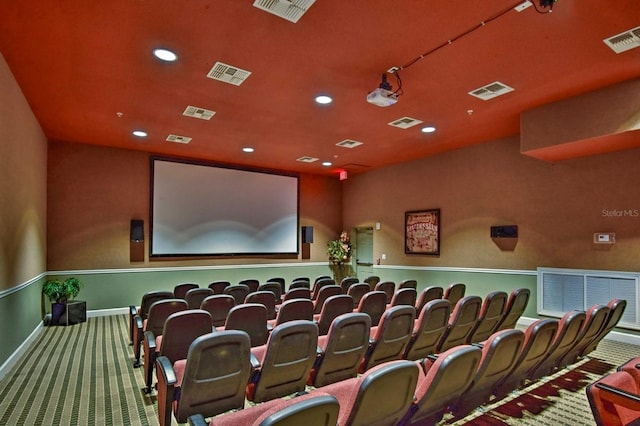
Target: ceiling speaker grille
(228, 74)
(307, 159)
(291, 10)
(624, 41)
(178, 139)
(201, 113)
(491, 90)
(405, 122)
(349, 143)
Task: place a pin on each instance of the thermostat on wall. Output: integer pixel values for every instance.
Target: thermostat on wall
(604, 238)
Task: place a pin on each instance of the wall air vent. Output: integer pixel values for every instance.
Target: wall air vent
(307, 159)
(491, 91)
(624, 41)
(349, 143)
(201, 113)
(291, 10)
(405, 122)
(228, 74)
(178, 139)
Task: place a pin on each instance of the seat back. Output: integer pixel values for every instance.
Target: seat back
(219, 286)
(238, 292)
(195, 296)
(274, 288)
(499, 355)
(319, 410)
(404, 296)
(409, 284)
(595, 320)
(160, 311)
(289, 357)
(429, 329)
(252, 283)
(180, 290)
(372, 280)
(295, 309)
(218, 307)
(216, 374)
(297, 293)
(447, 377)
(343, 348)
(299, 284)
(250, 318)
(180, 330)
(491, 313)
(616, 309)
(281, 281)
(150, 298)
(266, 298)
(357, 291)
(391, 336)
(614, 400)
(463, 319)
(323, 294)
(346, 283)
(454, 292)
(333, 307)
(388, 287)
(374, 303)
(317, 286)
(516, 305)
(428, 294)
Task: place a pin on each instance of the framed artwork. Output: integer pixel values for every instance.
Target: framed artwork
(422, 232)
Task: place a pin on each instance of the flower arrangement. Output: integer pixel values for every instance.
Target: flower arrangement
(339, 250)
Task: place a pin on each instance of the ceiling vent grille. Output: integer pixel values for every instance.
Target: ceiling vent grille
(307, 159)
(228, 74)
(201, 113)
(349, 143)
(624, 41)
(178, 139)
(291, 10)
(405, 122)
(491, 90)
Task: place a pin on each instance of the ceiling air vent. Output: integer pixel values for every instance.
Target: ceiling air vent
(624, 41)
(405, 122)
(491, 91)
(349, 143)
(228, 74)
(178, 139)
(201, 113)
(307, 159)
(291, 10)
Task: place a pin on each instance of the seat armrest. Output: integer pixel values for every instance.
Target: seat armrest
(255, 363)
(432, 357)
(269, 327)
(133, 310)
(197, 420)
(619, 396)
(138, 321)
(164, 367)
(478, 345)
(150, 340)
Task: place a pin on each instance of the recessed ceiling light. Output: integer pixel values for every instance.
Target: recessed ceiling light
(140, 133)
(165, 55)
(428, 129)
(324, 99)
(247, 149)
(326, 163)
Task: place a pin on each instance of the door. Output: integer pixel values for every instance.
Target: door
(364, 252)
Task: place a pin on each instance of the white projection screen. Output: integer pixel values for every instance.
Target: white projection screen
(200, 209)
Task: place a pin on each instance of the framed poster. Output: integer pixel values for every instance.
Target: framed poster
(422, 232)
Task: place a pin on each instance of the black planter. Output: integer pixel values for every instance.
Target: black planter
(57, 310)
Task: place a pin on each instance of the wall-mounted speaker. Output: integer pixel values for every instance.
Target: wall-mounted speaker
(307, 234)
(504, 231)
(137, 230)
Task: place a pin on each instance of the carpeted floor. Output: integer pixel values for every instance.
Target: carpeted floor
(84, 375)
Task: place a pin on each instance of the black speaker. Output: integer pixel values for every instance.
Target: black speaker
(504, 231)
(137, 230)
(307, 234)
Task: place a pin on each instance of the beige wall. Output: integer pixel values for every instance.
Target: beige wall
(23, 173)
(557, 207)
(94, 192)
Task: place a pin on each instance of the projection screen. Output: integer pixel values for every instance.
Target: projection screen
(202, 209)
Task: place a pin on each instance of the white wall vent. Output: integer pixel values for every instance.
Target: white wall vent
(201, 113)
(491, 90)
(348, 143)
(178, 139)
(307, 159)
(228, 74)
(291, 10)
(563, 290)
(624, 41)
(405, 122)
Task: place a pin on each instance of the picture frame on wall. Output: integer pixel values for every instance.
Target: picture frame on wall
(422, 232)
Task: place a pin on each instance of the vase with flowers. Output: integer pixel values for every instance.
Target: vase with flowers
(339, 252)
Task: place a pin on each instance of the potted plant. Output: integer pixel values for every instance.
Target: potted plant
(339, 252)
(59, 293)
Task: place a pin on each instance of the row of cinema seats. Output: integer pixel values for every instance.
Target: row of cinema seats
(615, 398)
(456, 380)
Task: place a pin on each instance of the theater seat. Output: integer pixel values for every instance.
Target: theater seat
(158, 313)
(323, 294)
(372, 280)
(295, 309)
(251, 283)
(615, 400)
(266, 298)
(273, 287)
(462, 320)
(346, 283)
(595, 320)
(454, 292)
(516, 305)
(180, 290)
(219, 286)
(211, 380)
(331, 309)
(195, 296)
(388, 287)
(491, 313)
(428, 329)
(616, 310)
(218, 307)
(428, 294)
(408, 284)
(238, 292)
(250, 318)
(357, 292)
(137, 316)
(390, 338)
(373, 303)
(404, 296)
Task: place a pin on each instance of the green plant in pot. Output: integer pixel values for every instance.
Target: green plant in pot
(339, 252)
(59, 293)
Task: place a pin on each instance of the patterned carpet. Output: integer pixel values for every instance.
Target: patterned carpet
(83, 375)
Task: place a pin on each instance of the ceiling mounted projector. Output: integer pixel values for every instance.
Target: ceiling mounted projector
(383, 95)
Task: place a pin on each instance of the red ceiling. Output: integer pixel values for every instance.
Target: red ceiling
(81, 63)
